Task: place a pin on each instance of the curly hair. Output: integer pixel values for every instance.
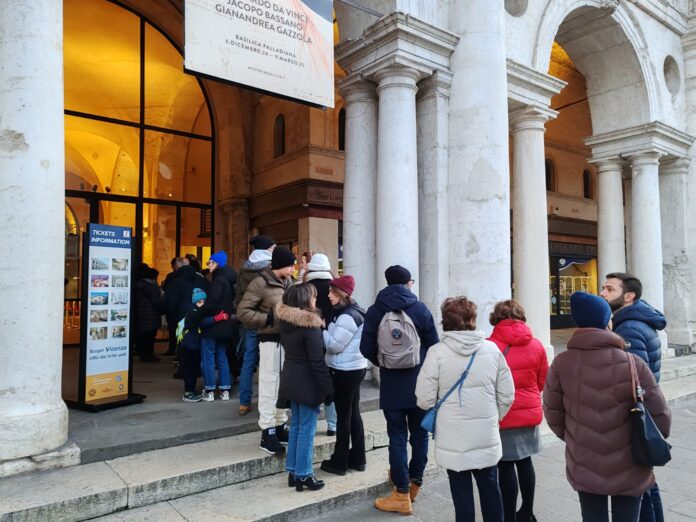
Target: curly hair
(458, 313)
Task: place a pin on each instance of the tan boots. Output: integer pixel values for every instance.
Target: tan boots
(395, 503)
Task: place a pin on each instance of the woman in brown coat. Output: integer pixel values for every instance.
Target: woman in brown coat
(587, 401)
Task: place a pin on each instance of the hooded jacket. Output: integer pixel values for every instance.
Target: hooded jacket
(305, 377)
(260, 297)
(149, 304)
(221, 299)
(466, 430)
(342, 339)
(638, 325)
(527, 361)
(178, 292)
(258, 260)
(587, 402)
(397, 387)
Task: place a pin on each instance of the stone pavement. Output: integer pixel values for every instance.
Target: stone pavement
(555, 500)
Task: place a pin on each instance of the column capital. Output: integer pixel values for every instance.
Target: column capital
(355, 88)
(675, 167)
(648, 157)
(397, 75)
(438, 84)
(610, 164)
(531, 117)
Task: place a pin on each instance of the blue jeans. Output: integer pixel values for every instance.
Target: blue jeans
(251, 360)
(331, 417)
(214, 351)
(489, 494)
(651, 506)
(300, 455)
(399, 424)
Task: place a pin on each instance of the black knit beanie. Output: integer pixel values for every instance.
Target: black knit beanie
(281, 258)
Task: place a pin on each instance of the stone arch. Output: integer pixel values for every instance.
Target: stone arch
(616, 39)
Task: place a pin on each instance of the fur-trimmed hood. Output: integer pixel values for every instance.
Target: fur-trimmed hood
(298, 316)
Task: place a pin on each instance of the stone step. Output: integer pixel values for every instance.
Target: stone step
(678, 367)
(155, 485)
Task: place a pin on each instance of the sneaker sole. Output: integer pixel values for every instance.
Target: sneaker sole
(271, 452)
(191, 400)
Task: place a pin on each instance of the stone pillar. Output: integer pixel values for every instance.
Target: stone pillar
(397, 173)
(478, 187)
(319, 235)
(33, 417)
(674, 207)
(359, 187)
(235, 213)
(646, 232)
(432, 114)
(530, 237)
(611, 241)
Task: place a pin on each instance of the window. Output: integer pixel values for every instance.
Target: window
(342, 129)
(550, 175)
(279, 136)
(587, 185)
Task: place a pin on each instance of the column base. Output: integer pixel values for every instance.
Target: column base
(28, 433)
(67, 455)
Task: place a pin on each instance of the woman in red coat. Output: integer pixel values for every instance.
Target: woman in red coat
(519, 430)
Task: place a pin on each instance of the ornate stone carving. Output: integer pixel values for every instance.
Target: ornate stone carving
(609, 5)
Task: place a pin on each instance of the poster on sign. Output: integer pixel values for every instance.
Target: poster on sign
(283, 47)
(105, 348)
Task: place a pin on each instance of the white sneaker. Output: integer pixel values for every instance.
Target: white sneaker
(208, 396)
(225, 395)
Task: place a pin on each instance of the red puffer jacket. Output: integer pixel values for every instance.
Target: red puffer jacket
(527, 361)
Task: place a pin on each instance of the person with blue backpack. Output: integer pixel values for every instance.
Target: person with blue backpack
(189, 333)
(397, 333)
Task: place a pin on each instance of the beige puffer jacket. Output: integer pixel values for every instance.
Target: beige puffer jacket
(466, 431)
(262, 294)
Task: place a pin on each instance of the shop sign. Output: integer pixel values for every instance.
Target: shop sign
(284, 47)
(107, 312)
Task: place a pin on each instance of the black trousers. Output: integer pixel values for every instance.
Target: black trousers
(489, 494)
(190, 365)
(510, 478)
(349, 424)
(145, 344)
(595, 508)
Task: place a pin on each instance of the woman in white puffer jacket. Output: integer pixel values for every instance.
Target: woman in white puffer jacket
(467, 439)
(347, 367)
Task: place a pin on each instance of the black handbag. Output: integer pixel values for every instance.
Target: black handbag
(648, 447)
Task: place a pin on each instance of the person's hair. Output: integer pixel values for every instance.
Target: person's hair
(344, 299)
(458, 313)
(509, 309)
(180, 261)
(173, 261)
(194, 262)
(299, 296)
(307, 255)
(629, 283)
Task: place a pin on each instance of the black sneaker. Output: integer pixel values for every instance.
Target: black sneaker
(330, 433)
(270, 444)
(327, 465)
(283, 434)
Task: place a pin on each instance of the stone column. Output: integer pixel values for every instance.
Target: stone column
(319, 235)
(432, 114)
(646, 231)
(397, 173)
(359, 186)
(33, 417)
(674, 207)
(611, 241)
(235, 212)
(478, 186)
(530, 237)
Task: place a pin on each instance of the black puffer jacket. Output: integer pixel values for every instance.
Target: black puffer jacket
(149, 305)
(221, 298)
(305, 377)
(178, 293)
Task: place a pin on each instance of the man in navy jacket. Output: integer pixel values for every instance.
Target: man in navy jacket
(397, 395)
(637, 322)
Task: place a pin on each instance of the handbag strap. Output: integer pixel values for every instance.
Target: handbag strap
(456, 384)
(505, 352)
(635, 381)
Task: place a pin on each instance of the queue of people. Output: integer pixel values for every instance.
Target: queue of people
(312, 343)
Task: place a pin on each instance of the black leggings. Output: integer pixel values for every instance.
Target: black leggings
(508, 479)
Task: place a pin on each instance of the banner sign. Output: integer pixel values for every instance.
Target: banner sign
(107, 310)
(280, 46)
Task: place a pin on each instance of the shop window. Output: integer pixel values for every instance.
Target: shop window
(279, 136)
(550, 169)
(587, 185)
(342, 129)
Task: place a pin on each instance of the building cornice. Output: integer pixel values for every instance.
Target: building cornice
(641, 139)
(529, 87)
